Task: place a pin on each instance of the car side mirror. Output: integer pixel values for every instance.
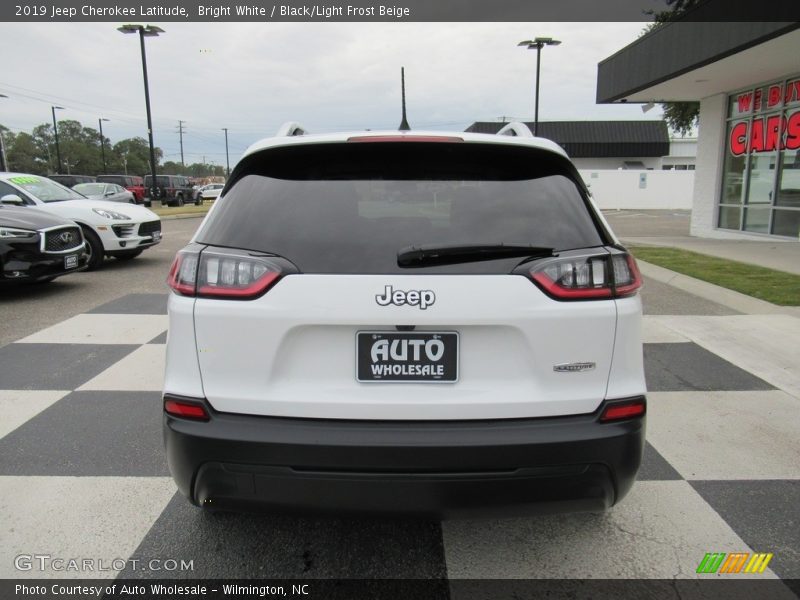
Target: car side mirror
(12, 199)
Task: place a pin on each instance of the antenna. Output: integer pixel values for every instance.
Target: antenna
(404, 126)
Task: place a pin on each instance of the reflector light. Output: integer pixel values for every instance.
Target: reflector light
(187, 410)
(405, 138)
(618, 412)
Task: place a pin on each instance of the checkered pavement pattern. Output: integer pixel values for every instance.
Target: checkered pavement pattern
(83, 474)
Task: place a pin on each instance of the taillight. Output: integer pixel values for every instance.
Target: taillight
(228, 275)
(185, 410)
(619, 411)
(588, 277)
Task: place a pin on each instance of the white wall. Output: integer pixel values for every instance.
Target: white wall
(683, 147)
(649, 162)
(613, 189)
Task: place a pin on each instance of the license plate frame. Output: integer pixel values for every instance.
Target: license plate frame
(418, 356)
(71, 261)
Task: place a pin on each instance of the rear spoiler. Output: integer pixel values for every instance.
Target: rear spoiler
(516, 129)
(290, 129)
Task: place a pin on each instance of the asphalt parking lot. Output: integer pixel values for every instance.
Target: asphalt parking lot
(82, 471)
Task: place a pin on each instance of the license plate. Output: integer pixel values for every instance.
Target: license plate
(71, 261)
(403, 357)
(156, 236)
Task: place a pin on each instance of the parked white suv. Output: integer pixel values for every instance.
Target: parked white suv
(405, 322)
(123, 231)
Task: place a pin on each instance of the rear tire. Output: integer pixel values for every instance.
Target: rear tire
(179, 200)
(95, 247)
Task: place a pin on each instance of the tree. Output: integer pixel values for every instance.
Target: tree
(132, 156)
(174, 168)
(24, 156)
(80, 148)
(44, 141)
(681, 117)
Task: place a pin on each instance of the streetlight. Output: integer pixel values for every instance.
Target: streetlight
(146, 31)
(538, 43)
(102, 141)
(227, 159)
(3, 159)
(55, 129)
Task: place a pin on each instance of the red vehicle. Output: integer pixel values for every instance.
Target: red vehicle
(132, 183)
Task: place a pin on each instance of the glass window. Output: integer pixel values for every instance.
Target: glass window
(729, 217)
(789, 178)
(761, 178)
(735, 162)
(757, 219)
(761, 169)
(740, 104)
(44, 189)
(786, 222)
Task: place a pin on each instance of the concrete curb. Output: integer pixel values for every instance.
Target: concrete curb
(734, 300)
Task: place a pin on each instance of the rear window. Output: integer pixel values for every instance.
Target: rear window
(349, 208)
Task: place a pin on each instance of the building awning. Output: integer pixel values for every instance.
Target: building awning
(598, 139)
(691, 59)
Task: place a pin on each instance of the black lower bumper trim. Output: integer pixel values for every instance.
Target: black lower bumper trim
(444, 469)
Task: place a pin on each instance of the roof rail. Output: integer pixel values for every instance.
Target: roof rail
(516, 128)
(289, 129)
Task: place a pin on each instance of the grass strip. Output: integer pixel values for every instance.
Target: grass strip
(777, 287)
(187, 209)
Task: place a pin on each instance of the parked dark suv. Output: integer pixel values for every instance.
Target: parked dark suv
(70, 180)
(170, 190)
(132, 183)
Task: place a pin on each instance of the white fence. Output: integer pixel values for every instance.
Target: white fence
(640, 189)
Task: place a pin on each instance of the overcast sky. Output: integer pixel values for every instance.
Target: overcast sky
(328, 76)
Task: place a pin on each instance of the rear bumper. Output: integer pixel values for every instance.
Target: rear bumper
(442, 469)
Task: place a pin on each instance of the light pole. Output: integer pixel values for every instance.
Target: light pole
(538, 43)
(3, 159)
(227, 159)
(102, 141)
(146, 31)
(55, 130)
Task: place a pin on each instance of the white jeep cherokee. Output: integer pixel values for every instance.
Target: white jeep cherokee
(405, 322)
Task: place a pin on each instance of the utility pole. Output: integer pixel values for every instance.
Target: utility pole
(3, 159)
(227, 159)
(180, 134)
(103, 143)
(55, 130)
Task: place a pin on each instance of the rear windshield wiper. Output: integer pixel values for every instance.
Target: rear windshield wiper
(433, 255)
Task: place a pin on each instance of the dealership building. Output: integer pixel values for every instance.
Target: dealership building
(746, 77)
